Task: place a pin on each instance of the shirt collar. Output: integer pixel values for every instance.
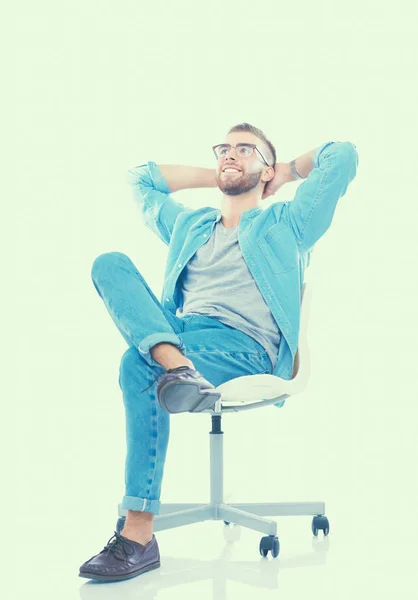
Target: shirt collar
(251, 212)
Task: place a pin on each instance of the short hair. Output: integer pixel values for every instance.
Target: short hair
(257, 132)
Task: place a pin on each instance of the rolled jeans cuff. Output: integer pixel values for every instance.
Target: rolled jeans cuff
(141, 504)
(158, 338)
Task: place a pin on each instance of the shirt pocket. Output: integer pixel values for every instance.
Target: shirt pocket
(280, 249)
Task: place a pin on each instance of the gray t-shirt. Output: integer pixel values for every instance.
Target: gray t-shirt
(216, 283)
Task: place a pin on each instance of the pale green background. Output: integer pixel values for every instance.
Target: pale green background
(97, 88)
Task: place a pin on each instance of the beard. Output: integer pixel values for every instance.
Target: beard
(234, 185)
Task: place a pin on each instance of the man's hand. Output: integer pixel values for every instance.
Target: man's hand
(282, 175)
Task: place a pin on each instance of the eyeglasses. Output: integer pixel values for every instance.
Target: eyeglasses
(242, 150)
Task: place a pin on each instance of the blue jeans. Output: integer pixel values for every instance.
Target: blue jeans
(217, 351)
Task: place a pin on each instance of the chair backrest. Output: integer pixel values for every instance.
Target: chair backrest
(302, 359)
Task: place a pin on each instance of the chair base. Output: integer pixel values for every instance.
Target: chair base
(248, 515)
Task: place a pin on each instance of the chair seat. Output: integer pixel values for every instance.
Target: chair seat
(252, 388)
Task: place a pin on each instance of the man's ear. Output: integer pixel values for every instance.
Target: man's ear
(270, 172)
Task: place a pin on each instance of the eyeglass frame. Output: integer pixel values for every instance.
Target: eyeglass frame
(253, 146)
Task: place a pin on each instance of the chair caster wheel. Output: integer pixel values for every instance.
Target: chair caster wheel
(269, 542)
(320, 522)
(120, 524)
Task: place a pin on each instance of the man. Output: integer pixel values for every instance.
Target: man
(230, 304)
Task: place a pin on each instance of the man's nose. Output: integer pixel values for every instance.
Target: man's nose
(234, 149)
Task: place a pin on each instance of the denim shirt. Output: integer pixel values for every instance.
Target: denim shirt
(276, 242)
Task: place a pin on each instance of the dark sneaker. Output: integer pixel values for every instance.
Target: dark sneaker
(122, 559)
(184, 389)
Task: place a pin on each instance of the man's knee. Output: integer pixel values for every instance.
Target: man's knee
(130, 360)
(134, 373)
(108, 260)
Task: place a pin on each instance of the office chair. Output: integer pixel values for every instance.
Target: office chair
(246, 393)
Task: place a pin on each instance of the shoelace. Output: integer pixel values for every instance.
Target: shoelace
(119, 547)
(182, 368)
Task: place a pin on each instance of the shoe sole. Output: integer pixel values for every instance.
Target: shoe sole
(176, 397)
(145, 569)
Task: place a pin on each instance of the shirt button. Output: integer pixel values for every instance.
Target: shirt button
(167, 299)
(179, 265)
(205, 235)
